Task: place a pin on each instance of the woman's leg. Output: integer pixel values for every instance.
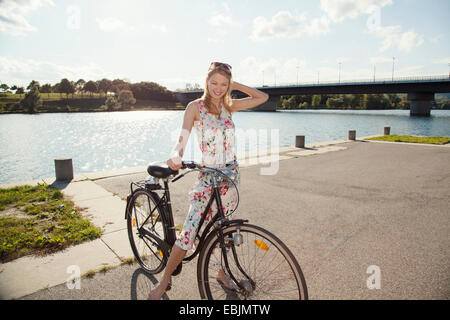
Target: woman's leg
(176, 257)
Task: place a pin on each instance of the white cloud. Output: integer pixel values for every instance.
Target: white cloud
(12, 15)
(254, 70)
(21, 71)
(286, 25)
(223, 20)
(393, 37)
(442, 61)
(339, 10)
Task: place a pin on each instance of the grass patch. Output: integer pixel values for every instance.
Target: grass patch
(38, 220)
(413, 139)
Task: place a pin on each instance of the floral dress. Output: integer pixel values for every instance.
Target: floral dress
(216, 141)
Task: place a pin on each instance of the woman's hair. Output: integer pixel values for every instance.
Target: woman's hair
(226, 99)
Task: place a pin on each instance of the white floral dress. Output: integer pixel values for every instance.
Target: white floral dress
(216, 141)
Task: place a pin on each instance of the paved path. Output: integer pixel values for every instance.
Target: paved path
(366, 204)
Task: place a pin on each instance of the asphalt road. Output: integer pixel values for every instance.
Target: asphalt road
(375, 211)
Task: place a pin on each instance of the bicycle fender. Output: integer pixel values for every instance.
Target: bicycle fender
(234, 222)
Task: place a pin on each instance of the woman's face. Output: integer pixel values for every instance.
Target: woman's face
(218, 85)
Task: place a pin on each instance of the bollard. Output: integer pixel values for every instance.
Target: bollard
(387, 131)
(299, 141)
(351, 134)
(63, 169)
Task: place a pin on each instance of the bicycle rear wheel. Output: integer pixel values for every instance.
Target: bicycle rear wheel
(145, 227)
(262, 264)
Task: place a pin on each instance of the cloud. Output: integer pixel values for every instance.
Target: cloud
(442, 61)
(339, 10)
(256, 70)
(393, 37)
(286, 25)
(12, 15)
(223, 20)
(21, 71)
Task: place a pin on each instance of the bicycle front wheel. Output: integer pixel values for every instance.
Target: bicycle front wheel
(145, 224)
(260, 262)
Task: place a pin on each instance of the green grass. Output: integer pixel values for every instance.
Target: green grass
(38, 220)
(413, 139)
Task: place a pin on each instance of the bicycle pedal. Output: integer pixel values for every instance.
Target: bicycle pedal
(169, 287)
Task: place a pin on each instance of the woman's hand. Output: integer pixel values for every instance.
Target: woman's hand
(256, 97)
(174, 163)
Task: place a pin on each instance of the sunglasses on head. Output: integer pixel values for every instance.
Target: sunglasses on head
(220, 64)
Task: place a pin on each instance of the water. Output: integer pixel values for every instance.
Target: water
(106, 141)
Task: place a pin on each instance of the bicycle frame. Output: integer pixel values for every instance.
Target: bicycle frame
(218, 222)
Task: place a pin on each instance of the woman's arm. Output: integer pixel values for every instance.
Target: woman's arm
(176, 156)
(256, 97)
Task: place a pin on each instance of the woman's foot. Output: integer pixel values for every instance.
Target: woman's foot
(158, 291)
(223, 280)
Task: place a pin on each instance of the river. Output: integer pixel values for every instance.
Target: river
(106, 141)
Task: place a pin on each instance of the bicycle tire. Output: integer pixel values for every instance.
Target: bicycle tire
(145, 244)
(261, 254)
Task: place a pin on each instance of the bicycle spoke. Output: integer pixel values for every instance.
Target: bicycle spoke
(263, 259)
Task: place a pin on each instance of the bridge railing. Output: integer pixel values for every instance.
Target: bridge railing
(363, 81)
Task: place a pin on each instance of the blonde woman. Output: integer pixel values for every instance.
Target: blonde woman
(211, 115)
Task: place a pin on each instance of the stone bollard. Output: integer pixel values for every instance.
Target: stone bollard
(299, 141)
(351, 134)
(387, 131)
(63, 169)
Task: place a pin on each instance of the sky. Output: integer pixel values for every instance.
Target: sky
(267, 42)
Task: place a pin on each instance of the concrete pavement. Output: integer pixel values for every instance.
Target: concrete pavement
(367, 204)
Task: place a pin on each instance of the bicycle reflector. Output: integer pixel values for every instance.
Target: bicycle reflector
(134, 222)
(262, 245)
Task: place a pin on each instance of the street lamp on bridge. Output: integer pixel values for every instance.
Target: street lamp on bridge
(393, 61)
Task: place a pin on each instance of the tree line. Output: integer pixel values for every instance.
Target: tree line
(120, 94)
(141, 90)
(350, 101)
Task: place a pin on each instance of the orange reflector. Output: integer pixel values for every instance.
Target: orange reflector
(134, 222)
(160, 253)
(260, 244)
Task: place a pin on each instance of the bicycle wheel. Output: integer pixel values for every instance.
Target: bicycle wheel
(145, 225)
(262, 264)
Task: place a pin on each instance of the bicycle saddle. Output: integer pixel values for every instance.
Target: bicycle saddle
(160, 170)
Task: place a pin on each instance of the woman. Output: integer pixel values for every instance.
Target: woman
(211, 115)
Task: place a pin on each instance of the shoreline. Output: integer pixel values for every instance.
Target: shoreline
(247, 159)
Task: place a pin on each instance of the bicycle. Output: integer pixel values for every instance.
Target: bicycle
(257, 264)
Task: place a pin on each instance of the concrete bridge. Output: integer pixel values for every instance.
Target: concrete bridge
(420, 91)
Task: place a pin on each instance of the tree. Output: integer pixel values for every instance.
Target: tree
(104, 85)
(90, 87)
(32, 84)
(46, 88)
(316, 99)
(32, 100)
(4, 87)
(126, 99)
(20, 90)
(66, 87)
(112, 104)
(79, 85)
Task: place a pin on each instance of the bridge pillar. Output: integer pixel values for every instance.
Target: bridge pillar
(421, 103)
(270, 105)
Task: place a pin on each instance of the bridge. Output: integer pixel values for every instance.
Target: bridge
(420, 91)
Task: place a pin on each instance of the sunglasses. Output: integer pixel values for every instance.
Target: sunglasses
(220, 64)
